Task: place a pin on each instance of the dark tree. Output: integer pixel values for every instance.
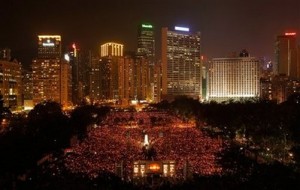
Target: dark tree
(84, 116)
(49, 127)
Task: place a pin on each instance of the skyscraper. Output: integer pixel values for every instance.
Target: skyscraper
(111, 56)
(233, 78)
(146, 49)
(146, 41)
(51, 75)
(181, 63)
(125, 79)
(83, 74)
(96, 89)
(140, 79)
(11, 83)
(80, 61)
(286, 56)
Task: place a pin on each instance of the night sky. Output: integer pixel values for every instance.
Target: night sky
(226, 25)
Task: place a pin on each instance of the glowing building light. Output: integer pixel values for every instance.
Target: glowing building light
(56, 37)
(147, 26)
(136, 169)
(75, 50)
(290, 33)
(67, 57)
(184, 29)
(154, 167)
(48, 44)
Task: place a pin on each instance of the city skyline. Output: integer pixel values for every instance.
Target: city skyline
(225, 26)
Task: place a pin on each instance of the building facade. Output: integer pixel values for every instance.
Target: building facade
(287, 62)
(181, 64)
(96, 86)
(146, 49)
(80, 62)
(49, 46)
(140, 81)
(278, 88)
(51, 75)
(146, 41)
(120, 78)
(27, 89)
(105, 73)
(125, 78)
(233, 78)
(112, 49)
(11, 84)
(157, 88)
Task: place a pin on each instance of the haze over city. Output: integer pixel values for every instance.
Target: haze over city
(225, 26)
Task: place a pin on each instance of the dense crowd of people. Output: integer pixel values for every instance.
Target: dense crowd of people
(120, 139)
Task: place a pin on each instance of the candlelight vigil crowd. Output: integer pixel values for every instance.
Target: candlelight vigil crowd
(120, 137)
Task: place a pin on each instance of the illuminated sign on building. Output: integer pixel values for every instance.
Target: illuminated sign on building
(184, 29)
(147, 26)
(49, 46)
(290, 33)
(48, 43)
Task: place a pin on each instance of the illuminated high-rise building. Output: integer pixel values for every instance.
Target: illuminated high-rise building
(286, 56)
(80, 62)
(95, 79)
(112, 49)
(11, 84)
(49, 46)
(181, 64)
(125, 78)
(134, 78)
(73, 58)
(140, 78)
(146, 49)
(51, 74)
(108, 66)
(51, 80)
(84, 59)
(120, 78)
(146, 41)
(233, 78)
